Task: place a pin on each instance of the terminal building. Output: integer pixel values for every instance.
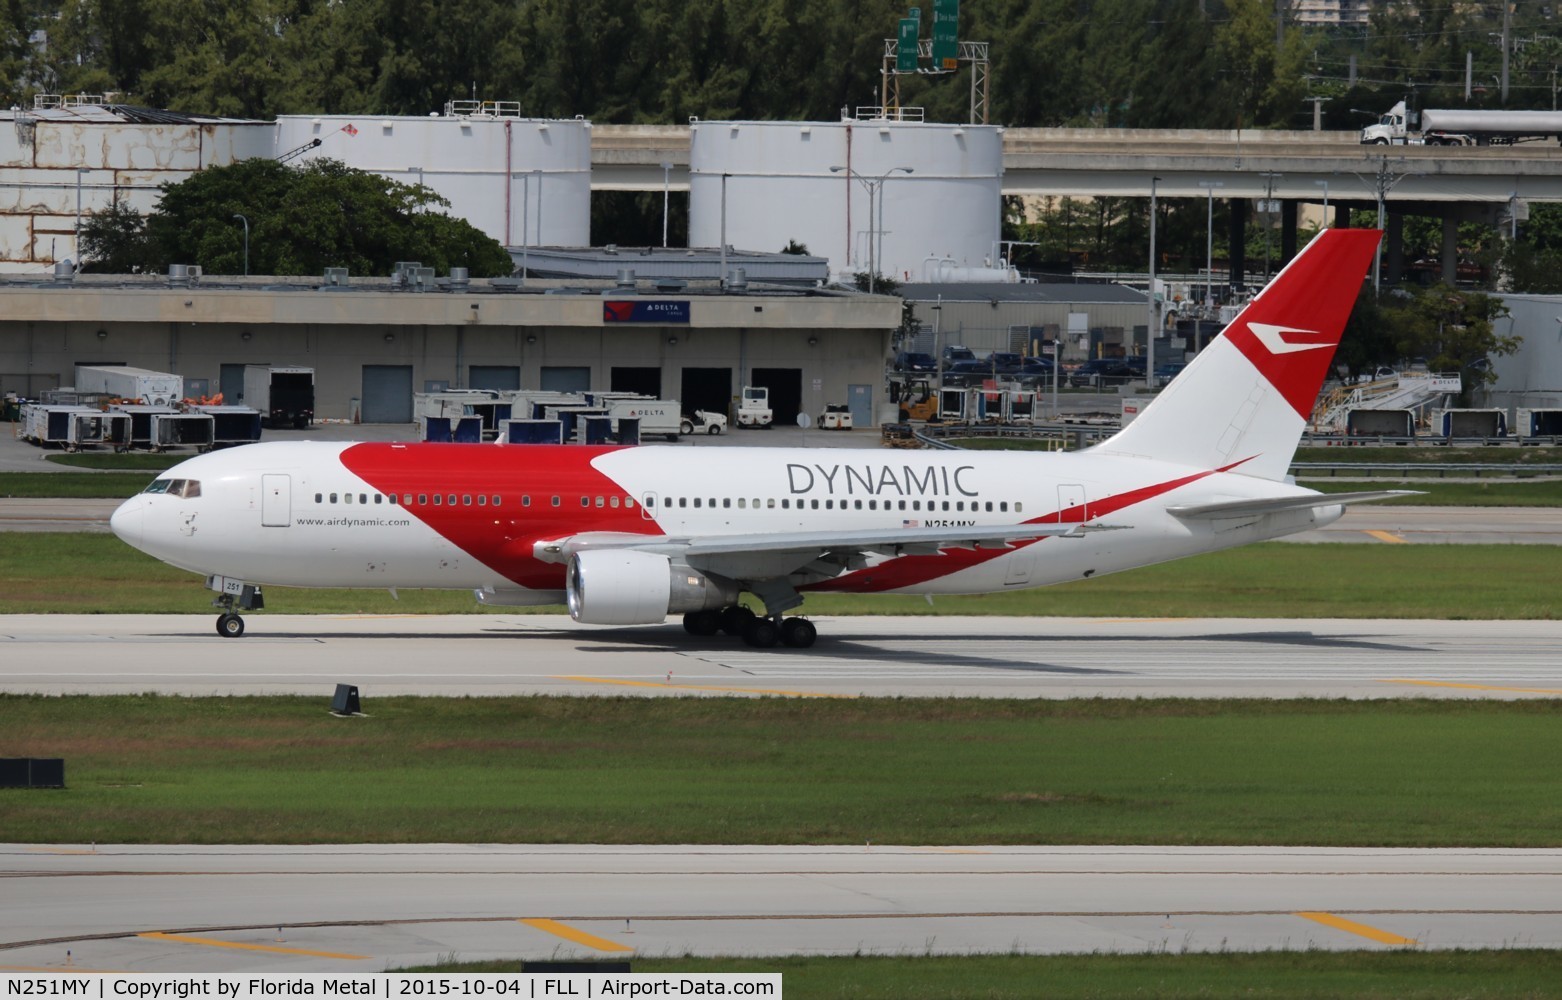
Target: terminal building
(374, 342)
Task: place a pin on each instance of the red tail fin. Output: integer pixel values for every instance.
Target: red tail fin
(1290, 331)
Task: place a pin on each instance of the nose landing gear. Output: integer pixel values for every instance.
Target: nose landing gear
(229, 624)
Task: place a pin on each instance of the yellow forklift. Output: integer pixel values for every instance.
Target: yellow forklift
(915, 398)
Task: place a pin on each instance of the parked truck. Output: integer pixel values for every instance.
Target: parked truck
(135, 385)
(284, 394)
(1468, 127)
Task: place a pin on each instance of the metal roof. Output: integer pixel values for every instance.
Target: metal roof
(1054, 292)
(651, 263)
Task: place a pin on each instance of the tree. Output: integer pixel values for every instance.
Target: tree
(1454, 329)
(114, 241)
(302, 220)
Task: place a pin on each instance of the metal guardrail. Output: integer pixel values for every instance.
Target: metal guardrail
(1424, 470)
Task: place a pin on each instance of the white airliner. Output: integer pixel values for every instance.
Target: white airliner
(630, 535)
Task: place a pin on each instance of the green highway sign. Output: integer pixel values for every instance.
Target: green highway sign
(946, 32)
(906, 47)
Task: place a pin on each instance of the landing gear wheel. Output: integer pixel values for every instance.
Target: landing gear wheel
(761, 633)
(799, 633)
(702, 622)
(230, 625)
(735, 619)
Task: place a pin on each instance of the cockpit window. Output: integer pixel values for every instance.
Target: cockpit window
(187, 488)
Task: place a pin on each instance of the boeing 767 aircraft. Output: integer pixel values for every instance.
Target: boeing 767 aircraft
(630, 535)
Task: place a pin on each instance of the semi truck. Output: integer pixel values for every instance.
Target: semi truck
(135, 385)
(284, 394)
(1468, 127)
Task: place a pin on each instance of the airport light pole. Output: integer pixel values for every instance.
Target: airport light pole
(246, 241)
(723, 284)
(1325, 185)
(1149, 330)
(1209, 245)
(666, 180)
(875, 186)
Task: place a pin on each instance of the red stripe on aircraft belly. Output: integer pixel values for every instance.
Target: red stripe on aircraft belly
(909, 571)
(501, 538)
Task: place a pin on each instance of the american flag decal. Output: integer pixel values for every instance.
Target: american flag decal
(911, 524)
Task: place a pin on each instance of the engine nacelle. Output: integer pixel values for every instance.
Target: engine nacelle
(627, 587)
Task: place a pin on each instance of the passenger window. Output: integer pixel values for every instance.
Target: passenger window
(422, 499)
(629, 502)
(989, 506)
(377, 498)
(466, 499)
(438, 500)
(696, 501)
(857, 504)
(814, 504)
(555, 501)
(333, 497)
(450, 500)
(1003, 505)
(771, 503)
(946, 506)
(786, 504)
(959, 505)
(363, 498)
(650, 502)
(601, 501)
(612, 502)
(585, 501)
(347, 498)
(526, 500)
(317, 498)
(1018, 507)
(829, 505)
(742, 503)
(496, 499)
(482, 500)
(874, 505)
(726, 503)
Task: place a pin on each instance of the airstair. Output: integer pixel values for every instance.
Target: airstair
(1414, 391)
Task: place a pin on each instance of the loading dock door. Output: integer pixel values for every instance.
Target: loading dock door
(707, 389)
(501, 377)
(645, 381)
(276, 501)
(860, 399)
(387, 394)
(786, 392)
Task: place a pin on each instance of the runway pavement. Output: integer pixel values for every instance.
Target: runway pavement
(372, 907)
(878, 656)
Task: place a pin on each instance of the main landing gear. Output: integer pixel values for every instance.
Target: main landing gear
(229, 624)
(763, 632)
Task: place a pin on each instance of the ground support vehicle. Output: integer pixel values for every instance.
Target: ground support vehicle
(754, 410)
(704, 422)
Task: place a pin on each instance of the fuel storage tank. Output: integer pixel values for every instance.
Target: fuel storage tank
(523, 181)
(856, 190)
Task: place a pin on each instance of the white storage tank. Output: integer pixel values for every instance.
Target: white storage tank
(939, 185)
(466, 155)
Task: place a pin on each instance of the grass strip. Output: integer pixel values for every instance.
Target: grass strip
(1275, 975)
(76, 573)
(1412, 773)
(63, 485)
(121, 461)
(1437, 493)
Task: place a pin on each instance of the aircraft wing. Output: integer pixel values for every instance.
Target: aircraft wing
(1274, 505)
(771, 554)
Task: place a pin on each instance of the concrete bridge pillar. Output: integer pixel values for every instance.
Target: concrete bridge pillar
(1237, 242)
(1394, 249)
(1450, 254)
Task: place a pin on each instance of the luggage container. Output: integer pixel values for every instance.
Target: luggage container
(596, 429)
(628, 430)
(141, 433)
(533, 431)
(1460, 423)
(98, 429)
(47, 423)
(231, 425)
(181, 430)
(1537, 423)
(952, 405)
(1381, 423)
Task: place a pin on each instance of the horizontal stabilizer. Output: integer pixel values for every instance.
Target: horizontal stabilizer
(1274, 505)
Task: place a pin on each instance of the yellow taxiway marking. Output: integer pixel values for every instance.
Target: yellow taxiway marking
(1351, 927)
(213, 942)
(1468, 687)
(569, 933)
(1385, 536)
(698, 687)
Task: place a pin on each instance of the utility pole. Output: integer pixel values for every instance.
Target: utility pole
(1150, 329)
(1507, 23)
(1381, 183)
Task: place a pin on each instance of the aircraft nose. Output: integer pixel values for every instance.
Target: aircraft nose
(126, 521)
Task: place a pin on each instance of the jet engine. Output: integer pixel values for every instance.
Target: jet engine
(628, 587)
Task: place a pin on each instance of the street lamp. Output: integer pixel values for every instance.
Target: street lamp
(1149, 330)
(1209, 246)
(666, 180)
(875, 185)
(1270, 177)
(246, 241)
(723, 284)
